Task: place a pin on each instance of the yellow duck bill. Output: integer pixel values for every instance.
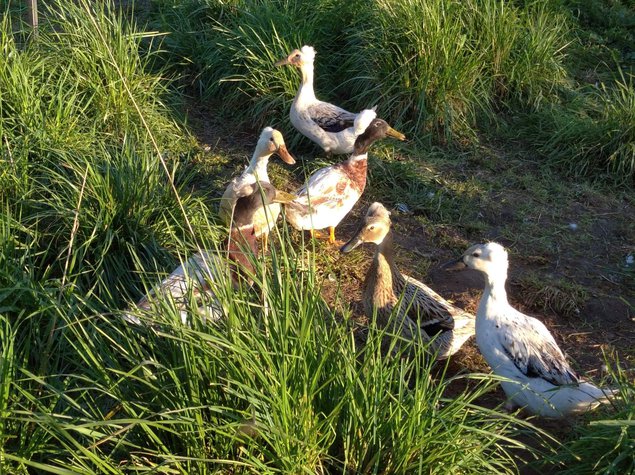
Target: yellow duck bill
(283, 197)
(395, 134)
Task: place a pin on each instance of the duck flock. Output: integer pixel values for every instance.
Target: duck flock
(520, 349)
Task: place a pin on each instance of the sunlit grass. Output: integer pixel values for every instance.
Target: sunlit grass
(280, 385)
(428, 66)
(97, 206)
(604, 443)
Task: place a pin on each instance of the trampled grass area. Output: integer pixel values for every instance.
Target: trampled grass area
(104, 189)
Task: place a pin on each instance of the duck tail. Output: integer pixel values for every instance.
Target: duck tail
(601, 395)
(363, 120)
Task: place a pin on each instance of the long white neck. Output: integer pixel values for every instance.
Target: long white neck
(258, 166)
(494, 295)
(306, 88)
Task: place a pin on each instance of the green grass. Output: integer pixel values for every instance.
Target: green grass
(440, 71)
(605, 444)
(441, 65)
(261, 392)
(74, 115)
(606, 36)
(429, 66)
(101, 197)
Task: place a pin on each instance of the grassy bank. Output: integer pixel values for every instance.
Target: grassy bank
(444, 72)
(102, 194)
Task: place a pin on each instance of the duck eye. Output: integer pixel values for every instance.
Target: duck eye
(476, 254)
(271, 139)
(371, 227)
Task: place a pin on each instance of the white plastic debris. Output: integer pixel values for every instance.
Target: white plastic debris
(403, 208)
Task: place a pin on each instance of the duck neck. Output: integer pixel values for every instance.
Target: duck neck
(306, 87)
(383, 273)
(258, 166)
(494, 294)
(240, 243)
(356, 167)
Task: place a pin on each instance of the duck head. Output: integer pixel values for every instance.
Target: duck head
(242, 235)
(298, 57)
(253, 197)
(378, 129)
(490, 258)
(270, 142)
(373, 228)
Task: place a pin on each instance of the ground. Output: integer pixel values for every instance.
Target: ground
(569, 240)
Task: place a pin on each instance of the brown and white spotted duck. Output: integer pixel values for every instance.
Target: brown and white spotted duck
(331, 192)
(413, 308)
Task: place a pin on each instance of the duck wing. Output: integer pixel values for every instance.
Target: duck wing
(534, 351)
(331, 118)
(327, 190)
(327, 182)
(431, 312)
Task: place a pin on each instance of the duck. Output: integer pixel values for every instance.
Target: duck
(419, 309)
(520, 348)
(270, 141)
(331, 127)
(331, 192)
(194, 279)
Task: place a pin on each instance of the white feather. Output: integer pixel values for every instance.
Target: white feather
(363, 120)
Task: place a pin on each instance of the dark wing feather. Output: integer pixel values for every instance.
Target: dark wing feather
(331, 118)
(534, 351)
(427, 308)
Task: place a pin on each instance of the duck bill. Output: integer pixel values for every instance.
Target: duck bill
(355, 241)
(455, 264)
(285, 155)
(282, 62)
(395, 134)
(283, 197)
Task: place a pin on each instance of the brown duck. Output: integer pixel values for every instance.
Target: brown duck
(416, 308)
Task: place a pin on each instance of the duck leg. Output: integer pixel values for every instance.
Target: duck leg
(265, 242)
(318, 235)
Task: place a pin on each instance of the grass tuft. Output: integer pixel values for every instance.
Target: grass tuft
(606, 442)
(562, 297)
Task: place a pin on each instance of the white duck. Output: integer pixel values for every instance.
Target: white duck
(331, 192)
(195, 279)
(270, 142)
(420, 310)
(521, 349)
(331, 127)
